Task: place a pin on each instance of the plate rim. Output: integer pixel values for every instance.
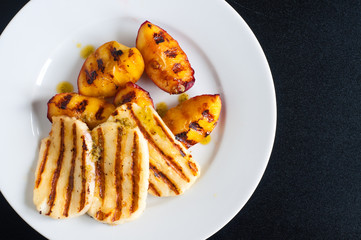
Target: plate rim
(269, 151)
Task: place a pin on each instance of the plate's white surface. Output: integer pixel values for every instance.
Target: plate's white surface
(39, 49)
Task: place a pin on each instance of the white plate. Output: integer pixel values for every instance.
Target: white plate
(38, 49)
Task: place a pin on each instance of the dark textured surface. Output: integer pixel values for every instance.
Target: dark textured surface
(312, 186)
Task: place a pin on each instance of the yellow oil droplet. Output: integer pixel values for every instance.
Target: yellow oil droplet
(64, 87)
(183, 97)
(86, 51)
(206, 140)
(78, 45)
(161, 108)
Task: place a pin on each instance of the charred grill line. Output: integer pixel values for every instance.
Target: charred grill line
(207, 115)
(83, 175)
(182, 137)
(70, 187)
(171, 53)
(182, 153)
(169, 160)
(135, 173)
(43, 164)
(177, 67)
(98, 114)
(193, 168)
(118, 171)
(130, 53)
(100, 65)
(116, 53)
(154, 189)
(128, 97)
(164, 178)
(158, 37)
(81, 106)
(195, 126)
(170, 138)
(102, 215)
(99, 171)
(90, 77)
(65, 101)
(56, 173)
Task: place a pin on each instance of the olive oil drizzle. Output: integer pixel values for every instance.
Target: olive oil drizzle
(183, 97)
(64, 87)
(206, 140)
(86, 51)
(161, 108)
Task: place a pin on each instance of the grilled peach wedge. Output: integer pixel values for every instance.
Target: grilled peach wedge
(131, 92)
(90, 110)
(194, 119)
(165, 62)
(109, 67)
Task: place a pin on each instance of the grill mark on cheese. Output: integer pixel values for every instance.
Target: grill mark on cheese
(153, 189)
(56, 173)
(157, 173)
(136, 169)
(170, 138)
(193, 168)
(99, 165)
(70, 186)
(102, 215)
(43, 163)
(169, 160)
(118, 170)
(83, 174)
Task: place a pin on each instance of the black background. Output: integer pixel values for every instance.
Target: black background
(312, 186)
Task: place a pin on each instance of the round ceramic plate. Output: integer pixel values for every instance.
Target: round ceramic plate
(41, 47)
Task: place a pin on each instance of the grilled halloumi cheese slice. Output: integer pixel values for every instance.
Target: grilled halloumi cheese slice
(64, 178)
(122, 173)
(172, 168)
